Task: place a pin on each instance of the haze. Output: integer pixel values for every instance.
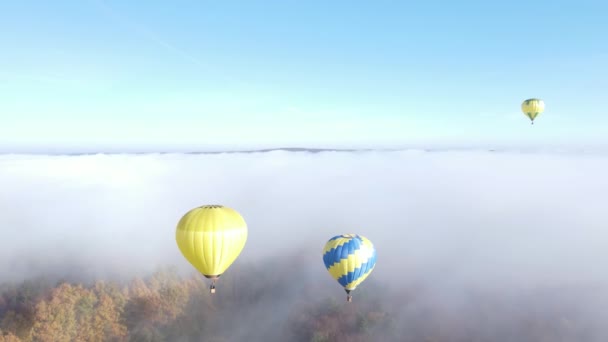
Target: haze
(447, 222)
(484, 217)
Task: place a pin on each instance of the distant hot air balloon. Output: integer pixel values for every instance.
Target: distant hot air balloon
(211, 237)
(533, 107)
(349, 258)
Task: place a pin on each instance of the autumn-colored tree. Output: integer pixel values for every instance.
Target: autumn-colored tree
(118, 294)
(56, 318)
(17, 313)
(167, 307)
(138, 288)
(172, 292)
(19, 324)
(8, 337)
(143, 316)
(107, 321)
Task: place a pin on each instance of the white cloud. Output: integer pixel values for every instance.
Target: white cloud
(475, 219)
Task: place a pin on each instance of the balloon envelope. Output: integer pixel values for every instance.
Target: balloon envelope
(211, 237)
(349, 259)
(533, 107)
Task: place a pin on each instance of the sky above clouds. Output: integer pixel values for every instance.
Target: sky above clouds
(103, 75)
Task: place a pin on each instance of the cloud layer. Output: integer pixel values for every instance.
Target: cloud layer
(469, 216)
(448, 222)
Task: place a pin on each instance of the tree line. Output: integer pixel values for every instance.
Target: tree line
(167, 306)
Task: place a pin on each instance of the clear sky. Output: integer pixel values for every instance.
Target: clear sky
(194, 74)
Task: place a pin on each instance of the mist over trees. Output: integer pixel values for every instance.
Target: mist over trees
(248, 307)
(472, 246)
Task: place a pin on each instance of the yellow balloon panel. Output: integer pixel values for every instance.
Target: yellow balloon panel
(211, 238)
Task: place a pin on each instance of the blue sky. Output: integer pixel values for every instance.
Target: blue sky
(196, 74)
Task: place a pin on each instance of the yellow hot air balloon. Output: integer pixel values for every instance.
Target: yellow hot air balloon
(211, 237)
(533, 107)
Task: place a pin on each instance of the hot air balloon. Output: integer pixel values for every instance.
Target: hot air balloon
(211, 237)
(349, 258)
(533, 107)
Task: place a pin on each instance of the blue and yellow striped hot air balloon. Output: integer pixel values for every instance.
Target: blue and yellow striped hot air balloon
(349, 258)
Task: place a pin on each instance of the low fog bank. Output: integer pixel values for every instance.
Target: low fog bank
(289, 299)
(489, 241)
(473, 218)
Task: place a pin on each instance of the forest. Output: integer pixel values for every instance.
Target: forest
(253, 305)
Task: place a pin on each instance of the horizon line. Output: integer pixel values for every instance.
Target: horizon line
(299, 149)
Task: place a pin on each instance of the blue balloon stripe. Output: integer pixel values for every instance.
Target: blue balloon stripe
(358, 271)
(334, 243)
(335, 237)
(330, 263)
(338, 253)
(350, 276)
(356, 282)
